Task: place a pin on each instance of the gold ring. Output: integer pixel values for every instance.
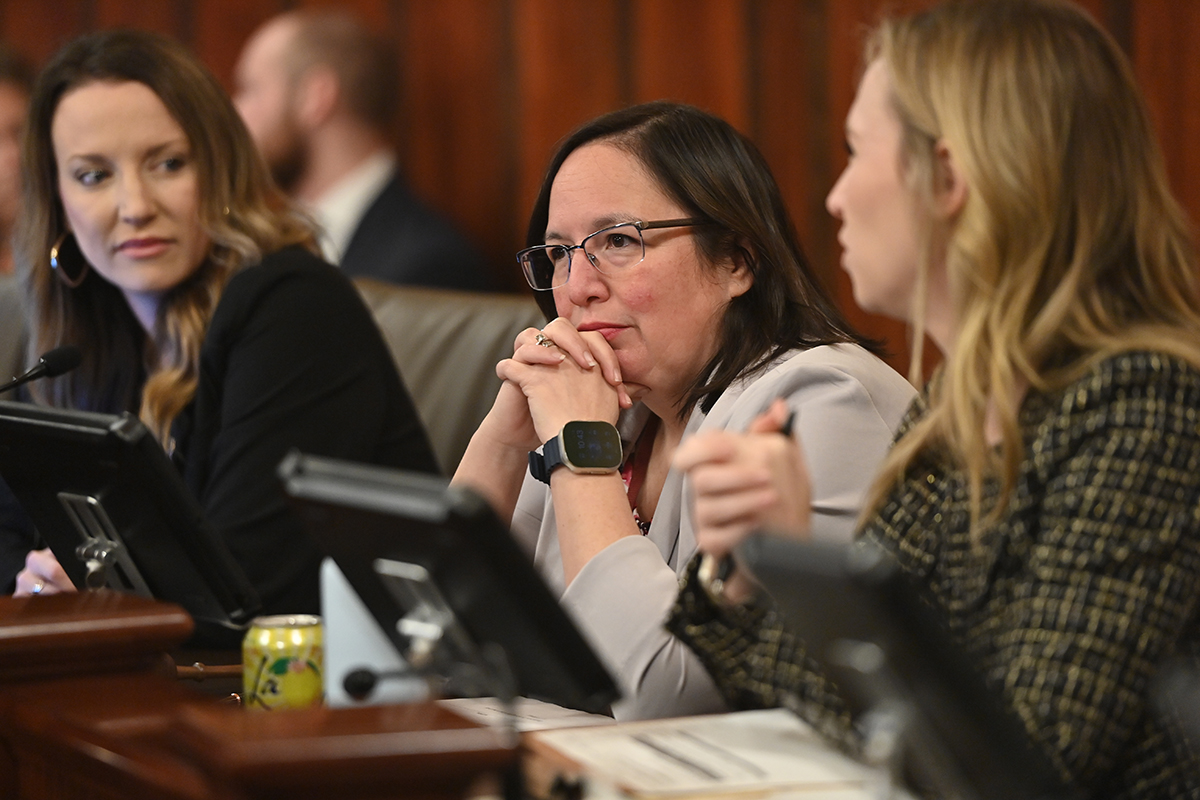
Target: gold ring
(543, 340)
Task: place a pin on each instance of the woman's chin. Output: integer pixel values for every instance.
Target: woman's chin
(636, 391)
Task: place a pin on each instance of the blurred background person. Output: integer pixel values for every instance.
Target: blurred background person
(158, 245)
(16, 77)
(318, 92)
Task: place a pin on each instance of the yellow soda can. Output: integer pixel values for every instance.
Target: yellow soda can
(283, 663)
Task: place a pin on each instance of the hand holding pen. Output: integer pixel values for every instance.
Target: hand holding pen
(743, 482)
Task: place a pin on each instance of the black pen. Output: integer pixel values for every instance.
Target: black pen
(786, 427)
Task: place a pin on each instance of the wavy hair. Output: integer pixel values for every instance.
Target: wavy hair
(240, 209)
(1070, 247)
(717, 175)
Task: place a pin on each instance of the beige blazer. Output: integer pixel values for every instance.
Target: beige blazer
(848, 404)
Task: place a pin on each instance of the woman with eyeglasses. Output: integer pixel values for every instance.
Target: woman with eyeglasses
(1006, 193)
(679, 301)
(156, 242)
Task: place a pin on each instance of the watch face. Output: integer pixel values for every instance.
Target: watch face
(592, 445)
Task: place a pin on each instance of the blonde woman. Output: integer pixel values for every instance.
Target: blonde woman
(155, 241)
(1006, 195)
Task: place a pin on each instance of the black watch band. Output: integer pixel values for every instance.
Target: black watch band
(543, 463)
(537, 466)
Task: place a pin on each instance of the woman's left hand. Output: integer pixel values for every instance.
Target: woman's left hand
(742, 482)
(42, 575)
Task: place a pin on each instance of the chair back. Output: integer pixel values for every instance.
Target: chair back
(446, 345)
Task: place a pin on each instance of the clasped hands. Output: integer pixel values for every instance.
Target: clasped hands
(741, 482)
(565, 375)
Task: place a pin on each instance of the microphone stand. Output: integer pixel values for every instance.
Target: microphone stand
(53, 363)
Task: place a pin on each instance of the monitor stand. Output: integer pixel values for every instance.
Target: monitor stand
(101, 548)
(354, 641)
(438, 653)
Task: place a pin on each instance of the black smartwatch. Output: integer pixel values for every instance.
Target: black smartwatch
(589, 447)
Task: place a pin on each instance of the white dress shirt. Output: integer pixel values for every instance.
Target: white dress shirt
(339, 210)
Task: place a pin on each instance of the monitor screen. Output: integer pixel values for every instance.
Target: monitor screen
(862, 619)
(411, 546)
(101, 491)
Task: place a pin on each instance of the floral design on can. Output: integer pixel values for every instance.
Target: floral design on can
(283, 662)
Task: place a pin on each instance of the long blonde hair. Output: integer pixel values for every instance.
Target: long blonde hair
(243, 213)
(1070, 247)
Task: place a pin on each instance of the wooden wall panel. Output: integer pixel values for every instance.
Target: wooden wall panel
(167, 18)
(489, 86)
(790, 115)
(379, 14)
(1167, 62)
(694, 51)
(38, 29)
(460, 131)
(219, 28)
(568, 69)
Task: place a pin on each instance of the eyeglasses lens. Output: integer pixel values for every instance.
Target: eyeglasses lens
(545, 267)
(616, 247)
(609, 250)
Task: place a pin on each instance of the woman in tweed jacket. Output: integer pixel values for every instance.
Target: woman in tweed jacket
(1005, 194)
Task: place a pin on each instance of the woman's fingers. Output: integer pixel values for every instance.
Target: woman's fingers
(586, 348)
(772, 420)
(559, 393)
(535, 354)
(559, 336)
(741, 482)
(730, 501)
(704, 448)
(560, 340)
(598, 347)
(737, 509)
(29, 584)
(42, 575)
(717, 478)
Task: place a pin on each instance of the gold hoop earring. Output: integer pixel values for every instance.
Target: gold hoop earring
(65, 250)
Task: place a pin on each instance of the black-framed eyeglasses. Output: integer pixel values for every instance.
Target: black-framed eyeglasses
(610, 250)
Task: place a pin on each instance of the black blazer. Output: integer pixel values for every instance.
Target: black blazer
(292, 359)
(402, 240)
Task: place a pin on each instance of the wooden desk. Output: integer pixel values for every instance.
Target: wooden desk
(90, 708)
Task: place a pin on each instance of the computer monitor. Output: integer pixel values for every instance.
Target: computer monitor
(107, 500)
(861, 618)
(434, 564)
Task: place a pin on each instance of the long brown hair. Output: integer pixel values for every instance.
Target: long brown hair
(1070, 247)
(242, 212)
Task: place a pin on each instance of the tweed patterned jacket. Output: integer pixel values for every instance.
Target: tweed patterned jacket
(1069, 604)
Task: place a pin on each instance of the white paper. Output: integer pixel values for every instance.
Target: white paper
(742, 751)
(527, 715)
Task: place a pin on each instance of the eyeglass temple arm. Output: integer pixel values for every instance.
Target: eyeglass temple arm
(667, 223)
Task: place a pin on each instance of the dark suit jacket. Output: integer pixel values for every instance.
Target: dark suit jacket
(402, 240)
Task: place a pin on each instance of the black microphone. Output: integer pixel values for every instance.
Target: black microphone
(360, 683)
(52, 364)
